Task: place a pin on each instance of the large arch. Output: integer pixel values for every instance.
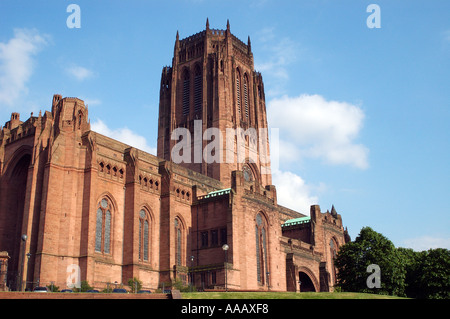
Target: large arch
(13, 194)
(308, 281)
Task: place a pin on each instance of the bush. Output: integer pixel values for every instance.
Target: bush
(135, 284)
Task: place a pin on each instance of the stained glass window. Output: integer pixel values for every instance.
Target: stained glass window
(146, 240)
(262, 265)
(178, 242)
(98, 231)
(107, 232)
(144, 235)
(179, 247)
(103, 227)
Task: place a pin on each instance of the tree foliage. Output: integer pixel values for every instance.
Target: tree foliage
(369, 248)
(428, 273)
(404, 272)
(135, 284)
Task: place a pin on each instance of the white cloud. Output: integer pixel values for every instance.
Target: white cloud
(123, 135)
(78, 72)
(293, 192)
(426, 242)
(17, 62)
(313, 127)
(281, 53)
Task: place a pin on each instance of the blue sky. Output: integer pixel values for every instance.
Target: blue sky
(369, 108)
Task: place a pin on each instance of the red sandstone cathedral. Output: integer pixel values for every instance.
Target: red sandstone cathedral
(71, 198)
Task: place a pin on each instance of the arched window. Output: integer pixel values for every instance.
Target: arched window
(186, 92)
(262, 269)
(178, 242)
(238, 91)
(144, 235)
(248, 174)
(333, 251)
(246, 96)
(103, 227)
(197, 89)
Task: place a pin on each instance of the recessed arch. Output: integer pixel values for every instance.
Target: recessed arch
(308, 280)
(10, 164)
(13, 203)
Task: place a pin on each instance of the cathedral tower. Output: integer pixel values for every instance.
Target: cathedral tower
(212, 112)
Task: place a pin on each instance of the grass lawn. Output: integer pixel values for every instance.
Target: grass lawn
(283, 295)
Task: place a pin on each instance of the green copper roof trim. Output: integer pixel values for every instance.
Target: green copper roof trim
(218, 193)
(297, 221)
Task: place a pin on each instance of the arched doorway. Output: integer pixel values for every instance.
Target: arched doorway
(14, 185)
(306, 284)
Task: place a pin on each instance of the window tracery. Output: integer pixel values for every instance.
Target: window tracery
(103, 226)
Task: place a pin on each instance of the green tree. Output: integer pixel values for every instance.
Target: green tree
(135, 284)
(434, 275)
(370, 248)
(412, 261)
(427, 273)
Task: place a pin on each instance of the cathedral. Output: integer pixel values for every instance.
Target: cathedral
(202, 212)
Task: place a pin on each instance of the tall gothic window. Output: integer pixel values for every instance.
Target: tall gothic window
(261, 249)
(238, 91)
(197, 89)
(246, 96)
(186, 92)
(333, 250)
(178, 241)
(103, 227)
(144, 235)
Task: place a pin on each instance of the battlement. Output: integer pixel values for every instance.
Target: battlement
(214, 34)
(193, 38)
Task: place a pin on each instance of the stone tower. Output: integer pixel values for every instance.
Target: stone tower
(212, 112)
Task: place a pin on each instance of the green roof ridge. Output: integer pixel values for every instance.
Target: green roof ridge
(296, 221)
